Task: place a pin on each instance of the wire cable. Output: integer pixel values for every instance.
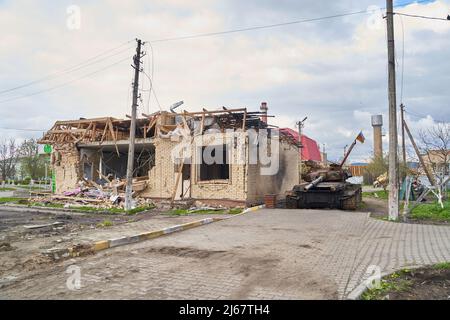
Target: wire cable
(23, 129)
(275, 25)
(422, 17)
(65, 83)
(153, 89)
(422, 116)
(85, 63)
(209, 34)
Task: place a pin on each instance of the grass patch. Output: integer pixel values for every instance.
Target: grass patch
(377, 194)
(12, 200)
(36, 187)
(105, 224)
(362, 205)
(7, 189)
(442, 266)
(94, 209)
(432, 211)
(391, 283)
(235, 210)
(46, 205)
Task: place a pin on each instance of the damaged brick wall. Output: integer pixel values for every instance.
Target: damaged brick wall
(235, 187)
(161, 176)
(284, 179)
(66, 166)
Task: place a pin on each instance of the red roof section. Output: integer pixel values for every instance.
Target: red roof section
(310, 150)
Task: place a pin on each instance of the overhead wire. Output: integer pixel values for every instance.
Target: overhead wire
(64, 83)
(422, 17)
(93, 60)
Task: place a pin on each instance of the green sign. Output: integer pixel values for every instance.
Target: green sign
(48, 148)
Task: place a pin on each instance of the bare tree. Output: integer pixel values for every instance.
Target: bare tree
(435, 143)
(9, 155)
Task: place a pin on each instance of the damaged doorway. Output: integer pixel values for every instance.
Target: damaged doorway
(109, 162)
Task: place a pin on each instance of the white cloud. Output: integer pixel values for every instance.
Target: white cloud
(333, 71)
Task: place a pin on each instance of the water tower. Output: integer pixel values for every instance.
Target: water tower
(377, 123)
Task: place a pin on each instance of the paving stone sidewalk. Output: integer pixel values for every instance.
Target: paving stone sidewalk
(156, 222)
(269, 254)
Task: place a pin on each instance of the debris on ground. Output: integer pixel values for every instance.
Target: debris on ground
(6, 246)
(104, 194)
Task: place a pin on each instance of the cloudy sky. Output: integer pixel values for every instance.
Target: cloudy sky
(334, 71)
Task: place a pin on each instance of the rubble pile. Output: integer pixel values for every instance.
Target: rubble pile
(106, 193)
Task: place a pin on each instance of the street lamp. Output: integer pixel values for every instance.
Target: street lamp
(300, 125)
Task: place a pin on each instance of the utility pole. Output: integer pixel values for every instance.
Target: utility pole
(300, 125)
(393, 159)
(402, 109)
(130, 163)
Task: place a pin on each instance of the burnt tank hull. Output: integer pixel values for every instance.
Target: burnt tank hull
(332, 195)
(325, 189)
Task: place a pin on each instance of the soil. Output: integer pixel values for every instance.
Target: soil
(428, 283)
(379, 210)
(20, 247)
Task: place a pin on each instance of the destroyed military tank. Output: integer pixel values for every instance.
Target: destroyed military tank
(326, 188)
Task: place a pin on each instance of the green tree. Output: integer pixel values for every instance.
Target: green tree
(32, 163)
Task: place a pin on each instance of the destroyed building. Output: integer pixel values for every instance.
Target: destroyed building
(166, 167)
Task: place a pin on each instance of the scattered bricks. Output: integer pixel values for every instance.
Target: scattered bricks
(57, 253)
(6, 246)
(80, 250)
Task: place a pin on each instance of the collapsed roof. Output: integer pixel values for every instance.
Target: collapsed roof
(153, 125)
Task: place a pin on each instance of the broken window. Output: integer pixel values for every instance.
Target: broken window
(214, 163)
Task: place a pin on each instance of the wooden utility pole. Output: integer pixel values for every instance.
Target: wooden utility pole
(393, 158)
(130, 163)
(402, 108)
(422, 162)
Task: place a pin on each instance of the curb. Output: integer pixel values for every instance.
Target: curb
(252, 209)
(111, 243)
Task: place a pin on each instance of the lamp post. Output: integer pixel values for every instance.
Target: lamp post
(300, 125)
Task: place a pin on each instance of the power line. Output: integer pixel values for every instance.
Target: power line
(65, 83)
(152, 88)
(422, 17)
(422, 116)
(22, 129)
(210, 34)
(73, 68)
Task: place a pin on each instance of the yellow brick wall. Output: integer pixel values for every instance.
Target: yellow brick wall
(66, 165)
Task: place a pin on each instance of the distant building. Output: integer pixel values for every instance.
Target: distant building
(310, 150)
(438, 161)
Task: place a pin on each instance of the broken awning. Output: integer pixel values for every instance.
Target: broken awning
(310, 150)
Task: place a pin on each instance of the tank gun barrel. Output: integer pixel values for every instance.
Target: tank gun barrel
(347, 154)
(314, 182)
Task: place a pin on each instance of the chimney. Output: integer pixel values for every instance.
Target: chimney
(264, 109)
(377, 123)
